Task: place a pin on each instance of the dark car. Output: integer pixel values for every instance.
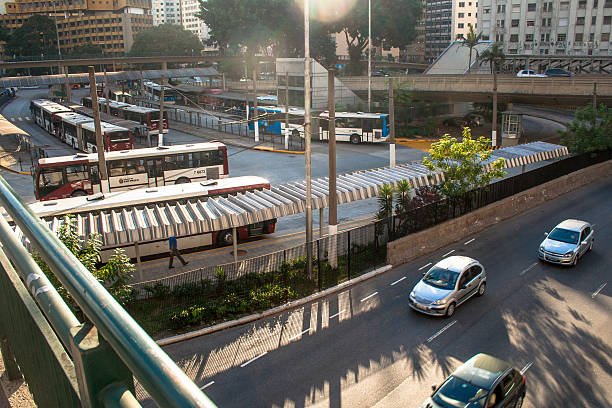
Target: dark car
(379, 73)
(557, 72)
(483, 381)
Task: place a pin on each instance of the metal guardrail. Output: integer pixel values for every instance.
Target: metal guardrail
(104, 356)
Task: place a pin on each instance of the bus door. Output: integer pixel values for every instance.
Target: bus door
(367, 134)
(155, 171)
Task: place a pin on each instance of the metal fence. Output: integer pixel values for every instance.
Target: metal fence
(212, 294)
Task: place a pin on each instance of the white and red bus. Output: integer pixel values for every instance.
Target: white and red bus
(115, 137)
(67, 128)
(126, 203)
(148, 117)
(43, 111)
(78, 175)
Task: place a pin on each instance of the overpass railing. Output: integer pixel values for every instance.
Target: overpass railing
(66, 362)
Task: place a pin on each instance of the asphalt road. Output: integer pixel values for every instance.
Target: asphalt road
(364, 347)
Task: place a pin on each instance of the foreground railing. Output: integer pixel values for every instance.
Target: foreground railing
(67, 363)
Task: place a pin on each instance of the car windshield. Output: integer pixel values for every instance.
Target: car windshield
(458, 393)
(441, 278)
(564, 235)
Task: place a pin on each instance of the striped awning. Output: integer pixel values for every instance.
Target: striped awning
(127, 225)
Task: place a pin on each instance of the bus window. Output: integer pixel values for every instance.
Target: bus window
(50, 179)
(368, 125)
(116, 168)
(136, 166)
(154, 168)
(95, 176)
(76, 173)
(170, 162)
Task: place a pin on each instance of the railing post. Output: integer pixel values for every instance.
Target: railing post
(348, 256)
(12, 369)
(97, 365)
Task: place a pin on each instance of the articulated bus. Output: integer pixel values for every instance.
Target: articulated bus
(148, 117)
(354, 127)
(43, 111)
(78, 175)
(155, 243)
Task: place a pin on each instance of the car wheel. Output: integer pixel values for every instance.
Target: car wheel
(182, 180)
(575, 261)
(591, 246)
(355, 139)
(519, 402)
(78, 193)
(226, 238)
(482, 288)
(450, 310)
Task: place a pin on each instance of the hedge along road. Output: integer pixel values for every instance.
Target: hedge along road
(364, 347)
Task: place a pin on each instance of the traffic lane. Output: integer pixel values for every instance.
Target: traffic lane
(327, 365)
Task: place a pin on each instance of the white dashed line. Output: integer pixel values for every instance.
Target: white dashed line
(448, 253)
(530, 267)
(598, 290)
(424, 266)
(253, 359)
(207, 385)
(370, 296)
(12, 119)
(28, 118)
(398, 281)
(524, 370)
(337, 314)
(470, 241)
(442, 330)
(20, 119)
(300, 334)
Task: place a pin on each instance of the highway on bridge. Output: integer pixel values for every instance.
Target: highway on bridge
(364, 347)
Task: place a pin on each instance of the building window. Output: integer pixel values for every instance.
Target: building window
(578, 37)
(528, 37)
(461, 15)
(500, 23)
(460, 25)
(564, 5)
(462, 4)
(516, 8)
(531, 7)
(546, 22)
(513, 38)
(486, 11)
(545, 37)
(608, 4)
(593, 20)
(561, 37)
(582, 4)
(501, 8)
(530, 23)
(499, 38)
(563, 22)
(607, 20)
(580, 21)
(515, 23)
(592, 37)
(605, 36)
(594, 3)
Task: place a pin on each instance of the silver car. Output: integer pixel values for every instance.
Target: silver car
(448, 284)
(567, 242)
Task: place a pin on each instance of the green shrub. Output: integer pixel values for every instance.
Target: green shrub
(159, 290)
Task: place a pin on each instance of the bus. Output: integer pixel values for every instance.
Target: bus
(78, 175)
(115, 137)
(148, 117)
(354, 127)
(68, 129)
(145, 204)
(43, 111)
(153, 91)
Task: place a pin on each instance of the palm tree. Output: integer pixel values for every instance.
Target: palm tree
(495, 57)
(470, 41)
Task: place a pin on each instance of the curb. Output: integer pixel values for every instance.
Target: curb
(15, 171)
(271, 149)
(250, 318)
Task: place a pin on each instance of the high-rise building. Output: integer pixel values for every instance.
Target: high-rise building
(181, 12)
(444, 21)
(111, 24)
(559, 27)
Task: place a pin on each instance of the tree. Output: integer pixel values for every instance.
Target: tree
(393, 21)
(463, 164)
(84, 51)
(590, 131)
(4, 33)
(495, 57)
(114, 276)
(166, 39)
(35, 38)
(470, 41)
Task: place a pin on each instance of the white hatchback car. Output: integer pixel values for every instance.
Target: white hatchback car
(567, 242)
(529, 73)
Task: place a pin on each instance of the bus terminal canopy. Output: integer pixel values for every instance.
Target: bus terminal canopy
(127, 225)
(82, 78)
(8, 129)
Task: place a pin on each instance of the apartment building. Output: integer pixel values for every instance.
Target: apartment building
(444, 21)
(111, 24)
(557, 27)
(181, 12)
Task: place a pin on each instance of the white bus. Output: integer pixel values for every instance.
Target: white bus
(43, 111)
(78, 175)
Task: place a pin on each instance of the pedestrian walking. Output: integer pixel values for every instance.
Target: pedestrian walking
(175, 252)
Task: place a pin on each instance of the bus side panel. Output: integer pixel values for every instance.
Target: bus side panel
(161, 247)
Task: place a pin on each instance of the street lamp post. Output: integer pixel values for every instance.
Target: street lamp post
(369, 55)
(307, 136)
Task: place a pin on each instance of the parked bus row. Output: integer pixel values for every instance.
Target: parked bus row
(153, 91)
(78, 175)
(148, 117)
(354, 127)
(78, 130)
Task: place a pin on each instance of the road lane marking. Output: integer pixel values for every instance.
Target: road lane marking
(524, 370)
(598, 290)
(207, 385)
(470, 241)
(398, 281)
(448, 253)
(300, 334)
(442, 330)
(253, 359)
(12, 119)
(424, 266)
(28, 118)
(20, 119)
(368, 297)
(530, 267)
(337, 314)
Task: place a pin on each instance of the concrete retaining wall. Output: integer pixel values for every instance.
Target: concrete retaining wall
(424, 242)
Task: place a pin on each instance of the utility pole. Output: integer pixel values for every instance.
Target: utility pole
(104, 186)
(255, 115)
(369, 55)
(160, 123)
(67, 85)
(307, 137)
(595, 95)
(391, 125)
(106, 92)
(287, 130)
(333, 201)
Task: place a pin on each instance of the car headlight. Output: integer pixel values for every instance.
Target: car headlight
(439, 302)
(569, 254)
(541, 249)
